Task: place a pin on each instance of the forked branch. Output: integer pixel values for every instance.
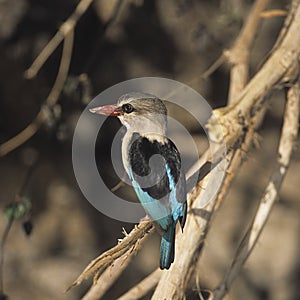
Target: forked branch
(285, 149)
(239, 122)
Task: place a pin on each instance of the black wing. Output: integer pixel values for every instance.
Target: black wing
(140, 153)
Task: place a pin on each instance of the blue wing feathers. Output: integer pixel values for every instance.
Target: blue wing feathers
(167, 247)
(165, 201)
(157, 211)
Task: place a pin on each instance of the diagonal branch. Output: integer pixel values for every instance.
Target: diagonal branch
(142, 288)
(129, 244)
(66, 34)
(235, 120)
(288, 137)
(111, 274)
(239, 122)
(239, 115)
(238, 55)
(188, 245)
(51, 100)
(60, 35)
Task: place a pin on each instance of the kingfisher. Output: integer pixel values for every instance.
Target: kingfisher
(153, 164)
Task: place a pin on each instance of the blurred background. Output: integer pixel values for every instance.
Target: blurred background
(177, 39)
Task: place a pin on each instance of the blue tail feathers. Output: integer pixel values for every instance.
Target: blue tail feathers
(167, 247)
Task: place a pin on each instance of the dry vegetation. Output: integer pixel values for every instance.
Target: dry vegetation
(255, 78)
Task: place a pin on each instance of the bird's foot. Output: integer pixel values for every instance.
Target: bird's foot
(145, 219)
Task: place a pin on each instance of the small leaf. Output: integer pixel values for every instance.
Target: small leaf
(9, 212)
(18, 209)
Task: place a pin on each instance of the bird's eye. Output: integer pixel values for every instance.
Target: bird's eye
(127, 108)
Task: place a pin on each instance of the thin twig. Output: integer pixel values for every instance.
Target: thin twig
(238, 55)
(220, 60)
(63, 69)
(2, 249)
(60, 35)
(51, 100)
(288, 137)
(236, 117)
(66, 33)
(106, 259)
(237, 157)
(241, 116)
(111, 274)
(234, 120)
(144, 287)
(273, 13)
(11, 219)
(23, 136)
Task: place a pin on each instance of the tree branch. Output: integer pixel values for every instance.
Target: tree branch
(60, 35)
(239, 122)
(288, 137)
(238, 55)
(237, 116)
(234, 119)
(142, 288)
(110, 275)
(66, 34)
(50, 101)
(127, 246)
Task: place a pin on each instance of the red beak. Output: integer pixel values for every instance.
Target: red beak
(107, 110)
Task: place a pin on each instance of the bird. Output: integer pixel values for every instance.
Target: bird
(153, 164)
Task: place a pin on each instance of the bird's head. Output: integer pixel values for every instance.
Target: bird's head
(139, 112)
